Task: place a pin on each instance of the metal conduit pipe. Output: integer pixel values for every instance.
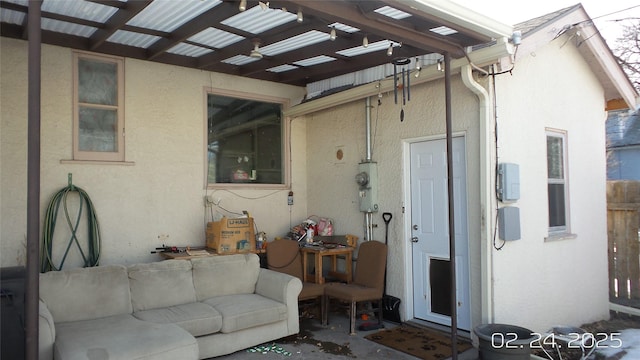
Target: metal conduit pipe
(368, 217)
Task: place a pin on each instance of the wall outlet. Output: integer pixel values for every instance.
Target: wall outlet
(163, 238)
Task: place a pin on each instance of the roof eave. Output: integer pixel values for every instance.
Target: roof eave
(460, 16)
(482, 57)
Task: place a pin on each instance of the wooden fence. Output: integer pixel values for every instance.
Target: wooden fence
(623, 223)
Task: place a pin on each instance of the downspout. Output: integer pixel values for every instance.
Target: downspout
(486, 193)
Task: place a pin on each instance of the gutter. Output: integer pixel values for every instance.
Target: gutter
(460, 16)
(486, 194)
(481, 57)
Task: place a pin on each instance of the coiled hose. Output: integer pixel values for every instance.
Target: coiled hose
(92, 256)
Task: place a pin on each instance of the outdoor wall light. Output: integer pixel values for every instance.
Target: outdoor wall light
(332, 34)
(243, 5)
(255, 53)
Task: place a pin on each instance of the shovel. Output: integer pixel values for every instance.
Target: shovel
(390, 304)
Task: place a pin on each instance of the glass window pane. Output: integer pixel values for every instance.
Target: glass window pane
(97, 82)
(98, 130)
(554, 157)
(244, 141)
(556, 205)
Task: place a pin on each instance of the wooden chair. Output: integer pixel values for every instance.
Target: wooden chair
(283, 255)
(367, 285)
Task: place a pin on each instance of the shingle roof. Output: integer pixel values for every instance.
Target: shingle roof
(623, 129)
(529, 26)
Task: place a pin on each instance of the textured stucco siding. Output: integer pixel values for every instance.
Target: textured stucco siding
(332, 188)
(540, 283)
(161, 193)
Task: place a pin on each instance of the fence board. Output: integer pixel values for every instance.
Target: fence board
(623, 222)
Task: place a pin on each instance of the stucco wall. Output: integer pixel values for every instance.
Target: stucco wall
(540, 283)
(159, 198)
(333, 191)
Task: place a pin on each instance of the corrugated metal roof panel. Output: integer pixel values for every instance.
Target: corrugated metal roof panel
(239, 60)
(67, 27)
(167, 15)
(316, 60)
(189, 50)
(296, 42)
(133, 39)
(215, 38)
(443, 30)
(360, 50)
(12, 17)
(80, 9)
(282, 68)
(392, 12)
(343, 27)
(256, 20)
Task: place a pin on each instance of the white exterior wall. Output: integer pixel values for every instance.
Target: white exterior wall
(540, 283)
(162, 193)
(333, 191)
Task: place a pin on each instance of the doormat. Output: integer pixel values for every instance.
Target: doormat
(420, 342)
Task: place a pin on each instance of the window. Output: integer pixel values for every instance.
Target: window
(557, 182)
(98, 121)
(245, 140)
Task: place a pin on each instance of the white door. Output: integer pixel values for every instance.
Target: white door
(430, 232)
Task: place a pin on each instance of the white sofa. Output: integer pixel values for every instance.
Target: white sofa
(173, 309)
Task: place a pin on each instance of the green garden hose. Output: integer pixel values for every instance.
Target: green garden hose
(92, 255)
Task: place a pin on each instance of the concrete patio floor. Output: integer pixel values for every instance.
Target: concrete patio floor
(332, 342)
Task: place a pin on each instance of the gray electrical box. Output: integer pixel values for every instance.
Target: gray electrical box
(509, 223)
(508, 182)
(367, 179)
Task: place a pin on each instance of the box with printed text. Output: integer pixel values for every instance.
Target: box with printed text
(229, 236)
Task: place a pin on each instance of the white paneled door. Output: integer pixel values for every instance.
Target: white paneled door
(430, 232)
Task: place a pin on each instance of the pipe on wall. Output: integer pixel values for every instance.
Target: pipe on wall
(486, 193)
(368, 217)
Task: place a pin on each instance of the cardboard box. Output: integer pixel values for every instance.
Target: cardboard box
(229, 236)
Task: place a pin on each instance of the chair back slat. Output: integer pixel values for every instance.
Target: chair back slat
(371, 265)
(283, 255)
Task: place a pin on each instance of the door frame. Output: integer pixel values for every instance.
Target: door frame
(406, 227)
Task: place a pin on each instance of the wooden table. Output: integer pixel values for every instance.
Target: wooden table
(318, 252)
(186, 256)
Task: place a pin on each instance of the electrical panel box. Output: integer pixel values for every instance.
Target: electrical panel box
(367, 179)
(509, 223)
(508, 182)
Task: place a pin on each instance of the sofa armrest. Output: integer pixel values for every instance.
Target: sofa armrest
(283, 288)
(278, 286)
(46, 332)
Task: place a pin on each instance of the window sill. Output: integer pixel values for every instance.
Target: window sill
(98, 162)
(559, 237)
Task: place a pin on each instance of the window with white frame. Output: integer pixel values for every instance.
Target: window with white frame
(98, 119)
(245, 140)
(557, 184)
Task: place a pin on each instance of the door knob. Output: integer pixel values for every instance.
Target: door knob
(415, 227)
(414, 239)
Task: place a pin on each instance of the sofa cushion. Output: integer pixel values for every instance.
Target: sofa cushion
(161, 284)
(123, 337)
(197, 318)
(247, 310)
(86, 293)
(225, 275)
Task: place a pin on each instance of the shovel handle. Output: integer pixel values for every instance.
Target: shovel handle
(387, 217)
